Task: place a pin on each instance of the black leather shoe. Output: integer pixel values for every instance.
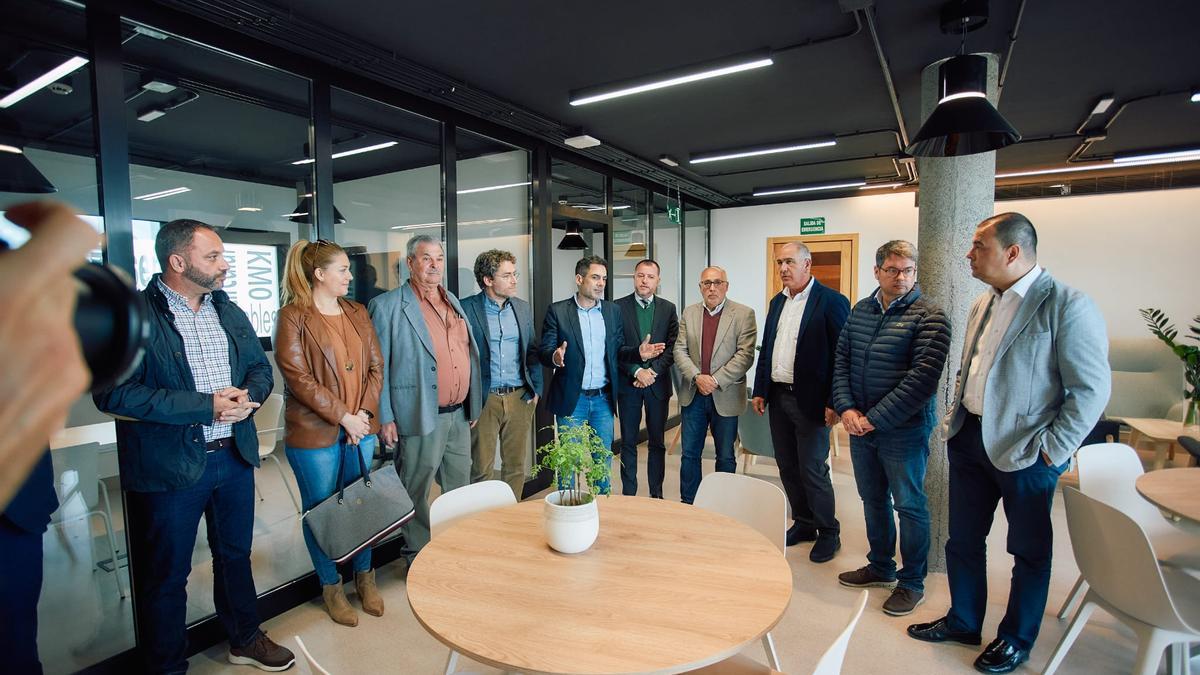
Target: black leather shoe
(939, 631)
(826, 547)
(1001, 656)
(797, 534)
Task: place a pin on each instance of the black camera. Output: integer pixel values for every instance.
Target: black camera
(111, 319)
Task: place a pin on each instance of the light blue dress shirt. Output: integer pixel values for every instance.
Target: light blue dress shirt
(504, 343)
(591, 324)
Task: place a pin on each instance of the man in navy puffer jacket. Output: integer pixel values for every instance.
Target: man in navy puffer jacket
(889, 359)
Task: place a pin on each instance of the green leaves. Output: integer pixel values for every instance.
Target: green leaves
(578, 458)
(1162, 328)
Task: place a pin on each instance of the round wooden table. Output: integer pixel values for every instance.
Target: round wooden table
(1176, 492)
(667, 587)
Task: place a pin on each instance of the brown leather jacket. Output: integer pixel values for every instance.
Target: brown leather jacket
(314, 409)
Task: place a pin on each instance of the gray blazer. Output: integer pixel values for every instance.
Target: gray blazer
(733, 354)
(409, 397)
(1050, 379)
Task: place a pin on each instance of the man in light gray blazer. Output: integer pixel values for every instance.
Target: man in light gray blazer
(1033, 381)
(713, 352)
(432, 393)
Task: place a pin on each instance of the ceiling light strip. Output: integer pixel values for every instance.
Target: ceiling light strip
(767, 192)
(65, 68)
(347, 153)
(1097, 167)
(1177, 155)
(492, 187)
(675, 78)
(755, 152)
(164, 193)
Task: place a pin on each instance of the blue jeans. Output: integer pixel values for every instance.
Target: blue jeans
(594, 410)
(698, 417)
(162, 535)
(316, 472)
(889, 468)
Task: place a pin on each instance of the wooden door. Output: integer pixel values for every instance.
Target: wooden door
(835, 262)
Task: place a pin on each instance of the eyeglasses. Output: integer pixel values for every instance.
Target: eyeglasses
(713, 283)
(511, 276)
(896, 271)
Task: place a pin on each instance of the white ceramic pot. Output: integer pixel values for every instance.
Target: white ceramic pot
(570, 529)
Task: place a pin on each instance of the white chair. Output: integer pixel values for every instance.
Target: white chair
(756, 503)
(830, 663)
(1161, 604)
(460, 503)
(268, 421)
(1107, 472)
(81, 495)
(313, 667)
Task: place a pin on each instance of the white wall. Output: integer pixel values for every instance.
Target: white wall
(1126, 251)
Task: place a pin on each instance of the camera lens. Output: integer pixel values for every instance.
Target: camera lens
(111, 320)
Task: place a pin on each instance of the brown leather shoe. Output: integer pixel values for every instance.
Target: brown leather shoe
(262, 653)
(338, 606)
(368, 593)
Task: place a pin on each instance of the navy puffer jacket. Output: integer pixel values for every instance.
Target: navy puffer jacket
(888, 364)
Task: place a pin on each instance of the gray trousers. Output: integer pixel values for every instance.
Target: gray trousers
(443, 454)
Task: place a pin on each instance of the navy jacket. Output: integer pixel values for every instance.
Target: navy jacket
(888, 363)
(562, 325)
(164, 448)
(531, 367)
(812, 374)
(30, 509)
(664, 328)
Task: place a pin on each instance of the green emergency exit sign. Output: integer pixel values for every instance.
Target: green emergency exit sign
(673, 215)
(812, 225)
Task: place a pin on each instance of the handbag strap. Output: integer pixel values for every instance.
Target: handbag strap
(362, 467)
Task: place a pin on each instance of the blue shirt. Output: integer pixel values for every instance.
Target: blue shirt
(504, 343)
(591, 324)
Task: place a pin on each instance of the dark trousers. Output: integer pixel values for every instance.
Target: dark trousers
(163, 534)
(976, 486)
(20, 586)
(699, 417)
(801, 449)
(629, 412)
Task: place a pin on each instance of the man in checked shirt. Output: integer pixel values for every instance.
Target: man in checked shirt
(190, 451)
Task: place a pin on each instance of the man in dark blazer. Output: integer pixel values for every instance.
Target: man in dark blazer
(22, 524)
(648, 383)
(583, 340)
(795, 377)
(509, 368)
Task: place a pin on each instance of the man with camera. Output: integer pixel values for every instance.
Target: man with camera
(188, 448)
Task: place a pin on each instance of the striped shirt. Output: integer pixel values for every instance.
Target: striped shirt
(207, 348)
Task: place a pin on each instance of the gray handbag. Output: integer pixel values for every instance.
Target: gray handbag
(361, 514)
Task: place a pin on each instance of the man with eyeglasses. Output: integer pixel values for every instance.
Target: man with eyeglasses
(887, 366)
(509, 368)
(714, 351)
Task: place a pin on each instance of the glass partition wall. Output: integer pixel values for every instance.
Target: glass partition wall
(251, 146)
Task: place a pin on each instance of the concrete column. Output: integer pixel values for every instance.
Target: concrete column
(955, 194)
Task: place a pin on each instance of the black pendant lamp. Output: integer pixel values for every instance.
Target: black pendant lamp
(303, 213)
(964, 121)
(17, 173)
(573, 239)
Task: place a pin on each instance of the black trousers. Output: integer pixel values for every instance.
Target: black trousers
(801, 449)
(630, 403)
(20, 586)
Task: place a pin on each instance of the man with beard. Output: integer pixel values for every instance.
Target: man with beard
(188, 447)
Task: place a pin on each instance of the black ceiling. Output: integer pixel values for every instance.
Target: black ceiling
(526, 56)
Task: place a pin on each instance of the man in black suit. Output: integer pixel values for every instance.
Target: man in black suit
(646, 384)
(583, 339)
(795, 377)
(21, 527)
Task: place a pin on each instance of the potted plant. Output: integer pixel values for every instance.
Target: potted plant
(581, 464)
(1160, 325)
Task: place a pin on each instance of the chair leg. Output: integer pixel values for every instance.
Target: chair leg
(837, 443)
(1077, 591)
(112, 550)
(1177, 654)
(1151, 643)
(769, 647)
(286, 484)
(1068, 638)
(452, 662)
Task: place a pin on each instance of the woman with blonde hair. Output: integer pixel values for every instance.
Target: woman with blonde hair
(327, 351)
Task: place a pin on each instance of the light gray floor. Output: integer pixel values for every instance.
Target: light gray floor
(396, 643)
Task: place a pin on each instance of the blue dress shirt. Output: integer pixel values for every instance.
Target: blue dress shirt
(504, 342)
(591, 324)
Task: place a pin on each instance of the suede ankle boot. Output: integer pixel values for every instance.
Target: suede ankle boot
(368, 593)
(338, 606)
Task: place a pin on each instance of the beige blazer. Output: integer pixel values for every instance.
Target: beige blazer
(733, 354)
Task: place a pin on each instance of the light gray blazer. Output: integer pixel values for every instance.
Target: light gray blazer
(410, 397)
(733, 354)
(1050, 379)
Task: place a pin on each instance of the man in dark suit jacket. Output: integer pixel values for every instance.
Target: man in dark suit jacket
(509, 368)
(795, 377)
(21, 527)
(583, 340)
(646, 384)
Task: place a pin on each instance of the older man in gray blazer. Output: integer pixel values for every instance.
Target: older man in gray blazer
(432, 393)
(713, 352)
(1033, 381)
